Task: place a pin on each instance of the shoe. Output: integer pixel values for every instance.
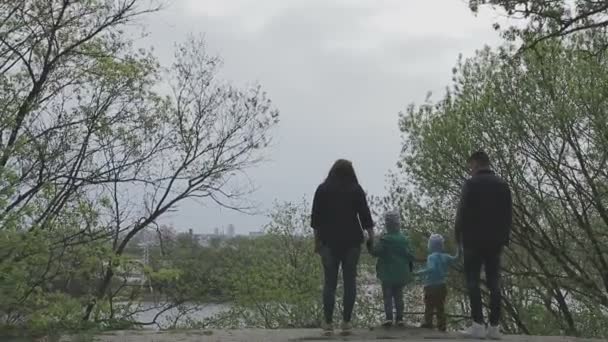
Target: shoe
(387, 324)
(476, 331)
(328, 329)
(426, 326)
(400, 324)
(347, 329)
(494, 333)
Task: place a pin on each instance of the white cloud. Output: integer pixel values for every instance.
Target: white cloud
(426, 18)
(247, 15)
(382, 17)
(339, 71)
(361, 27)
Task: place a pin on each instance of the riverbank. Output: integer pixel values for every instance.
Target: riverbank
(300, 335)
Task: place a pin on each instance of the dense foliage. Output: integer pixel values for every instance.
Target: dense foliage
(537, 20)
(542, 117)
(97, 143)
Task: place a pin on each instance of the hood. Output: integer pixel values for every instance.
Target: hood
(392, 221)
(436, 243)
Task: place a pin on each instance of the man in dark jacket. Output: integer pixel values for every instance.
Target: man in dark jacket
(483, 226)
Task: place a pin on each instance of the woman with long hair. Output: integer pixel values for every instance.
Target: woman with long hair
(340, 213)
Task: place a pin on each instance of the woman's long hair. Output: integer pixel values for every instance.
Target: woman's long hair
(342, 172)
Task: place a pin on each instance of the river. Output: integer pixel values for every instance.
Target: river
(198, 313)
(186, 313)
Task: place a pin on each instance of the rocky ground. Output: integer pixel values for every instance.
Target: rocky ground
(296, 335)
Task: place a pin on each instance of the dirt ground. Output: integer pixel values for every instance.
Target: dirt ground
(296, 335)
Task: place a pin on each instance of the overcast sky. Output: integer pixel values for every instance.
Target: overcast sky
(339, 71)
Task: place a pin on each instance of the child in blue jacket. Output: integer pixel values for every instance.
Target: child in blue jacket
(434, 278)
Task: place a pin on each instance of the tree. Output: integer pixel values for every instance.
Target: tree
(206, 135)
(275, 279)
(52, 54)
(94, 150)
(548, 19)
(541, 116)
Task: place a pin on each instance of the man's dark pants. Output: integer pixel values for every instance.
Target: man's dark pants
(332, 259)
(489, 258)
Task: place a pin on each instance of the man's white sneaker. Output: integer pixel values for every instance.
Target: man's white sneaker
(494, 333)
(476, 330)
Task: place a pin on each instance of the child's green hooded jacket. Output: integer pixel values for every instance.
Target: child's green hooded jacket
(394, 255)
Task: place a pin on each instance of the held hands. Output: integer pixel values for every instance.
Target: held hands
(318, 246)
(370, 234)
(370, 245)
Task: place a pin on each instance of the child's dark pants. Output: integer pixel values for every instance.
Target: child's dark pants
(434, 302)
(393, 294)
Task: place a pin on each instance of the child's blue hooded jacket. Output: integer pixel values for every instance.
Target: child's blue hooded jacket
(437, 263)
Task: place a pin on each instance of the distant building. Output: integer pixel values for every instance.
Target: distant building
(231, 231)
(218, 235)
(256, 234)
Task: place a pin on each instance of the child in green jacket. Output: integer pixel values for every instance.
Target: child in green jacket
(394, 266)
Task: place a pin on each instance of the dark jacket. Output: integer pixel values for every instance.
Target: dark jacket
(484, 215)
(339, 214)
